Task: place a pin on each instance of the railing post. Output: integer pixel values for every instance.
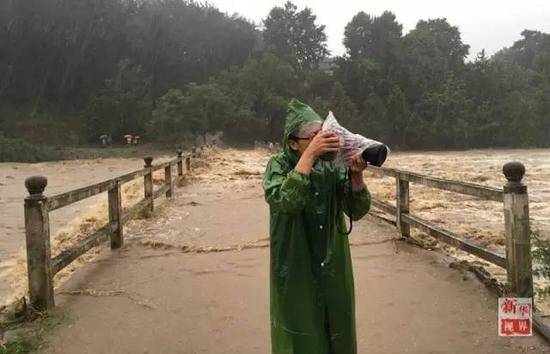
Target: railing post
(115, 215)
(168, 180)
(148, 183)
(402, 203)
(180, 163)
(188, 164)
(37, 234)
(518, 242)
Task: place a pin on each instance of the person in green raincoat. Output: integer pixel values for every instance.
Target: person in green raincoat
(311, 278)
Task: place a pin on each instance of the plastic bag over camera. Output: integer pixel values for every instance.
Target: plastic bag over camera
(351, 145)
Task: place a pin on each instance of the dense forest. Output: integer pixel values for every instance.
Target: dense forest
(72, 70)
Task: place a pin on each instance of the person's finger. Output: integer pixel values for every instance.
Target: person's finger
(331, 138)
(331, 141)
(325, 134)
(357, 161)
(350, 157)
(331, 144)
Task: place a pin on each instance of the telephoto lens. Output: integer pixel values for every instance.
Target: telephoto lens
(375, 154)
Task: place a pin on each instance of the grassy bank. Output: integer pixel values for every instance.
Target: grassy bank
(28, 336)
(18, 150)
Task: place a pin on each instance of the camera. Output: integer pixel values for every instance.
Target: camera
(373, 152)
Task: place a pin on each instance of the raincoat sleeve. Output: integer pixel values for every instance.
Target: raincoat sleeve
(360, 200)
(285, 191)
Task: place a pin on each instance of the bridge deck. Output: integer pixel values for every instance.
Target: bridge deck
(152, 298)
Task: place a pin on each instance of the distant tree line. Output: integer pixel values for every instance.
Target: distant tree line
(72, 70)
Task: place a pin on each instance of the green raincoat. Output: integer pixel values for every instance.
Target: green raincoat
(311, 278)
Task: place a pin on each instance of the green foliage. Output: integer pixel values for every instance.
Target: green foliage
(373, 61)
(432, 50)
(170, 69)
(377, 38)
(29, 335)
(202, 108)
(18, 346)
(342, 106)
(446, 110)
(246, 103)
(417, 91)
(17, 150)
(260, 90)
(67, 56)
(541, 262)
(294, 36)
(122, 106)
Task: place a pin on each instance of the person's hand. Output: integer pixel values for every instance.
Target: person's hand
(323, 142)
(357, 164)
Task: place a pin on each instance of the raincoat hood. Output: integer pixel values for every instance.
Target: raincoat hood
(298, 116)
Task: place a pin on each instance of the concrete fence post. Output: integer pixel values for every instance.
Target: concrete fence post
(37, 235)
(188, 164)
(148, 183)
(180, 163)
(518, 237)
(168, 180)
(115, 216)
(402, 203)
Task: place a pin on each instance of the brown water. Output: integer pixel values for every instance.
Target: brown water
(66, 224)
(480, 220)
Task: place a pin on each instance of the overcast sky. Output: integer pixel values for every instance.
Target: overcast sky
(484, 24)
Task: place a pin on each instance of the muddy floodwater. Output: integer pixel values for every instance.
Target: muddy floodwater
(65, 223)
(481, 220)
(468, 216)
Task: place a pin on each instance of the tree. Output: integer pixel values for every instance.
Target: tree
(179, 42)
(398, 117)
(530, 52)
(262, 87)
(122, 106)
(432, 50)
(343, 108)
(482, 88)
(201, 109)
(358, 78)
(170, 118)
(446, 113)
(294, 36)
(376, 38)
(372, 63)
